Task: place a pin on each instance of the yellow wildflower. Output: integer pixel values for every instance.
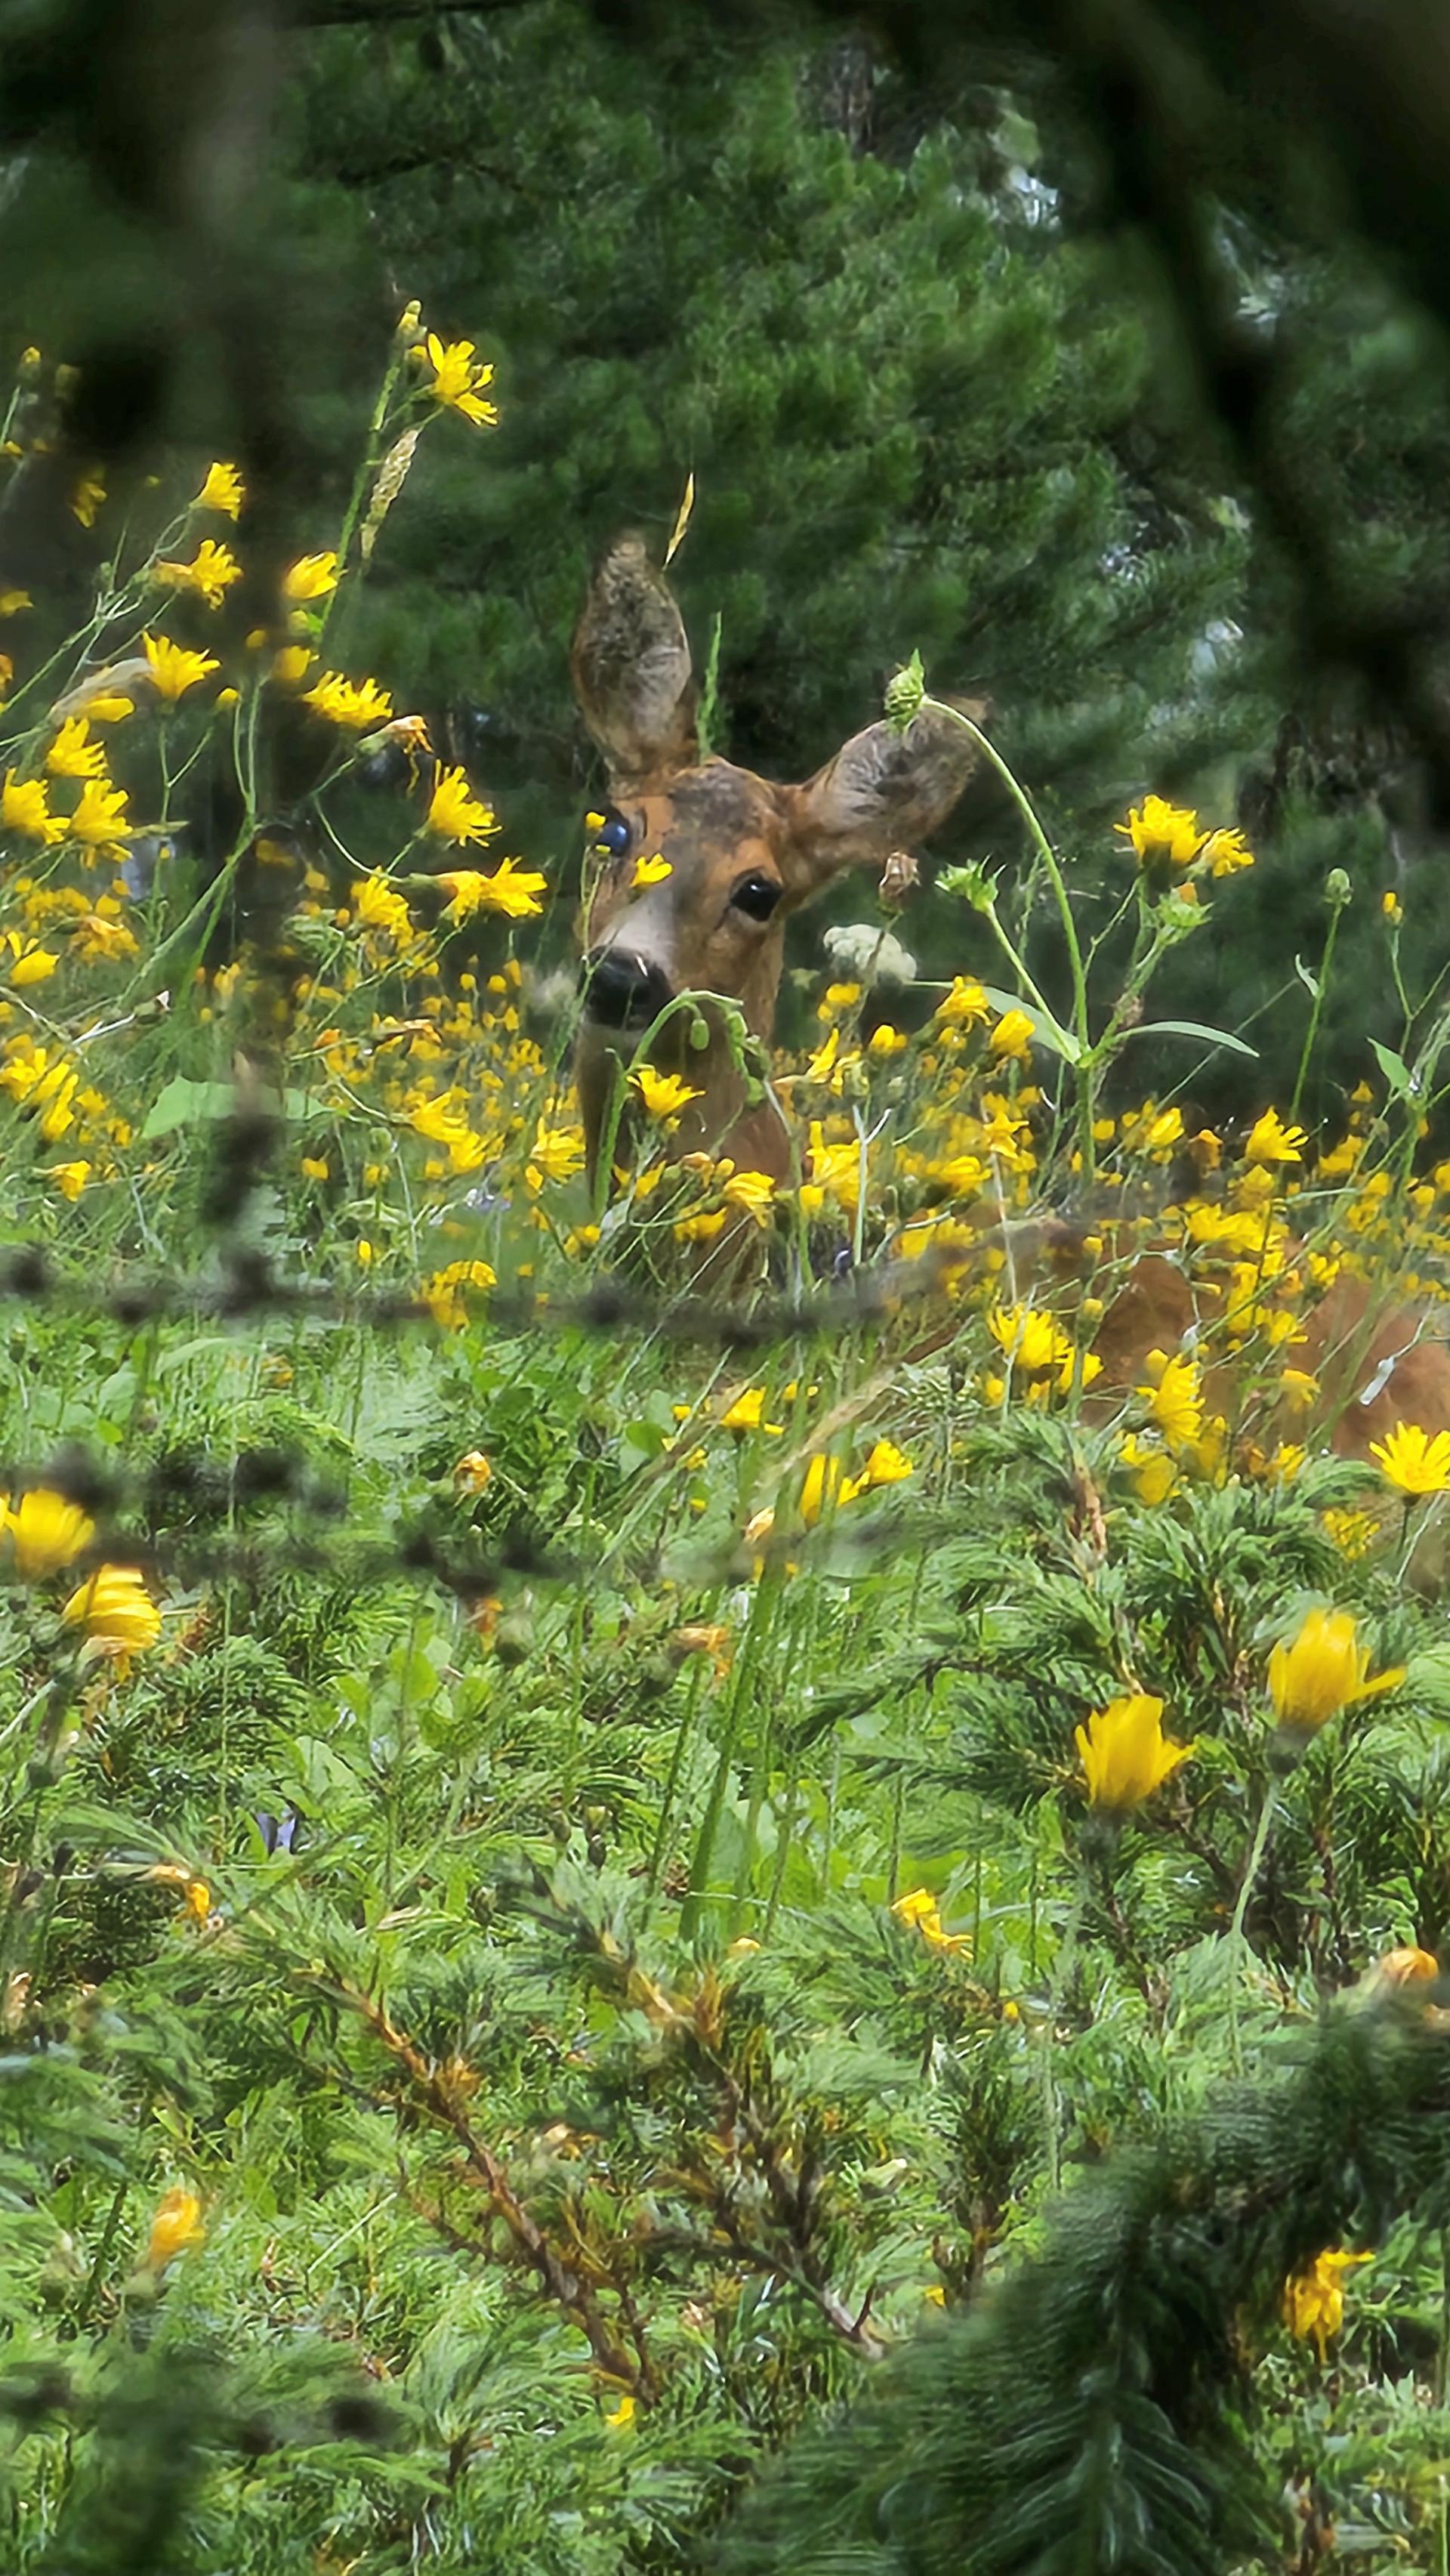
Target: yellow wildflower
(43, 1532)
(473, 1473)
(1412, 1461)
(919, 1912)
(448, 1290)
(458, 380)
(23, 809)
(210, 573)
(1125, 1754)
(223, 490)
(1225, 852)
(750, 1192)
(1322, 1669)
(746, 1412)
(664, 1095)
(1314, 2297)
(649, 872)
(1160, 831)
(116, 1611)
(176, 2227)
(622, 2416)
(455, 813)
(349, 703)
(965, 1006)
(1151, 1468)
(310, 578)
(822, 1482)
(1392, 908)
(1012, 1036)
(444, 1123)
(99, 820)
(1270, 1141)
(1174, 1397)
(292, 664)
(32, 965)
(173, 669)
(73, 754)
(885, 1040)
(69, 1178)
(508, 889)
(556, 1154)
(88, 495)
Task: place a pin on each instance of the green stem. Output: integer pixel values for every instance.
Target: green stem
(1252, 1867)
(1312, 1031)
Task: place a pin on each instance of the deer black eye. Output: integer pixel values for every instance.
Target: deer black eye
(757, 896)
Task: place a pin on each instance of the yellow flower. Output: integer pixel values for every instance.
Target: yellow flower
(44, 1532)
(1322, 1670)
(448, 1290)
(1225, 852)
(1125, 1754)
(32, 966)
(311, 577)
(315, 1167)
(966, 1005)
(746, 1413)
(750, 1192)
(455, 813)
(116, 1611)
(12, 602)
(885, 1040)
(99, 819)
(1152, 1469)
(1353, 1533)
(69, 1178)
(87, 497)
(23, 809)
(176, 2227)
(1392, 908)
(173, 669)
(648, 872)
(664, 1095)
(458, 381)
(1412, 1461)
(623, 2415)
(223, 490)
(508, 889)
(291, 665)
(1410, 1966)
(886, 1465)
(109, 707)
(210, 573)
(1032, 1341)
(473, 1473)
(379, 907)
(822, 1478)
(1174, 1397)
(73, 754)
(1012, 1036)
(1160, 831)
(350, 703)
(919, 1912)
(1270, 1141)
(1314, 2297)
(444, 1123)
(556, 1154)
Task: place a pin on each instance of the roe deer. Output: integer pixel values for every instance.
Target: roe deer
(739, 855)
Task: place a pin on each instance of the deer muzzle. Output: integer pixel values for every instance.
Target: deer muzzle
(621, 990)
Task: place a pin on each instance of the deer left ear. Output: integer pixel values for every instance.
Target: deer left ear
(882, 789)
(631, 665)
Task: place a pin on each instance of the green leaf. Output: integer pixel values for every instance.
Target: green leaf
(1194, 1029)
(184, 1103)
(1394, 1068)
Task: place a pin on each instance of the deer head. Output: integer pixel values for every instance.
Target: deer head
(736, 856)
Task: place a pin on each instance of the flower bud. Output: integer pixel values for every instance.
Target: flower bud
(904, 694)
(1337, 889)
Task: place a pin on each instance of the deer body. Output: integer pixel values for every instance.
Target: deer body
(727, 857)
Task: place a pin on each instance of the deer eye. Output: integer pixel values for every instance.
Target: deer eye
(757, 896)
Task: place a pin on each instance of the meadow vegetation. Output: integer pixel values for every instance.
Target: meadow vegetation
(591, 1875)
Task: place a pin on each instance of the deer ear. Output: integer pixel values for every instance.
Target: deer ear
(882, 789)
(631, 666)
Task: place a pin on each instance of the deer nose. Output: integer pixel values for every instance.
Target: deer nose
(621, 991)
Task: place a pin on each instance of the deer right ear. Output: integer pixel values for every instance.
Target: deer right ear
(631, 666)
(883, 788)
